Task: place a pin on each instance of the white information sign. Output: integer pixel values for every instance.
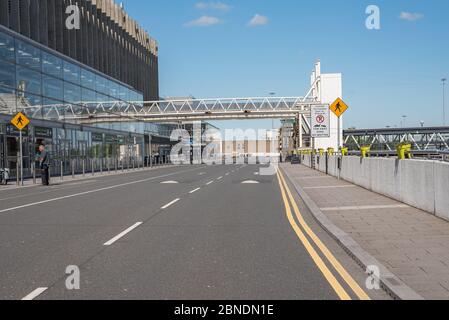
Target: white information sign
(320, 122)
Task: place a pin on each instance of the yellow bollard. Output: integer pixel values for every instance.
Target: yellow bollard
(344, 152)
(330, 151)
(404, 151)
(365, 151)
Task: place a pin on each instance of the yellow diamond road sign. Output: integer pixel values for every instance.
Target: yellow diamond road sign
(339, 107)
(20, 121)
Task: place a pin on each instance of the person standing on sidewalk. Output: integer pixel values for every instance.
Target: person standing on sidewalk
(44, 163)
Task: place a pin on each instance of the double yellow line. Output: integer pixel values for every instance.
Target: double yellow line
(344, 275)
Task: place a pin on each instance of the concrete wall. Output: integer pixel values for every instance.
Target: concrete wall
(421, 184)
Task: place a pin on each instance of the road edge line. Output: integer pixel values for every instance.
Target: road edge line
(339, 268)
(398, 290)
(314, 255)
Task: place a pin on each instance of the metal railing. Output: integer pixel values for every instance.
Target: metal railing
(89, 166)
(175, 110)
(442, 155)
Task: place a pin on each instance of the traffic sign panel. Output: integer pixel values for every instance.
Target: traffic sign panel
(320, 122)
(20, 121)
(339, 107)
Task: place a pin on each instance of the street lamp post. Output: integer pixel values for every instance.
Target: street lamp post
(444, 102)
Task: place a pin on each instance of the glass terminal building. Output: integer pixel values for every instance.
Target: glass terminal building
(42, 63)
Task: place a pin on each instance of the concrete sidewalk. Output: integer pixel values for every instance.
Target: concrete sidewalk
(411, 243)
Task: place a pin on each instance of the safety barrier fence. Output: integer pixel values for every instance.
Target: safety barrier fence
(423, 184)
(85, 166)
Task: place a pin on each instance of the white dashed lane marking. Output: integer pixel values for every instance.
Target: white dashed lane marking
(122, 234)
(250, 182)
(170, 204)
(33, 295)
(193, 191)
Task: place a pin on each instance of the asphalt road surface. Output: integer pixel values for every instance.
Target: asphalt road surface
(191, 232)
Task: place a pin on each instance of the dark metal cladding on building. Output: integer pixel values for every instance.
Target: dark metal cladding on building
(107, 40)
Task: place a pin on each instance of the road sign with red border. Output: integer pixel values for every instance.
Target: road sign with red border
(320, 122)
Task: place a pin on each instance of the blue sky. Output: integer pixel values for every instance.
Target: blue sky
(210, 49)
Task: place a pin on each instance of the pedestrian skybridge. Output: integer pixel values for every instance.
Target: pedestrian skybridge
(174, 110)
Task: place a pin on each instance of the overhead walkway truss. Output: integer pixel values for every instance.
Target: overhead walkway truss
(421, 139)
(176, 110)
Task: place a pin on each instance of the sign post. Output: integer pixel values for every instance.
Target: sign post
(20, 121)
(339, 107)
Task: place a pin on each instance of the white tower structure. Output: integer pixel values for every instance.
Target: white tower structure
(327, 87)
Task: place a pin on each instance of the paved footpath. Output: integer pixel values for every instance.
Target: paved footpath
(411, 243)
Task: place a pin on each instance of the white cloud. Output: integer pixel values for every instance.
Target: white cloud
(258, 20)
(204, 21)
(410, 16)
(217, 5)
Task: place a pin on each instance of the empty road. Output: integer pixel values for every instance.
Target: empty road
(190, 232)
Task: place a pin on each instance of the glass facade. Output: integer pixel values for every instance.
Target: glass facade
(31, 75)
(70, 148)
(36, 76)
(155, 129)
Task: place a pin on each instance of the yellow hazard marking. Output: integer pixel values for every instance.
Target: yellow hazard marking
(329, 256)
(339, 290)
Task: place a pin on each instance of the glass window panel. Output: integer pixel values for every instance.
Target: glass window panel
(135, 97)
(113, 89)
(122, 93)
(7, 74)
(117, 91)
(101, 84)
(132, 95)
(28, 80)
(27, 55)
(52, 88)
(51, 65)
(88, 95)
(87, 79)
(48, 110)
(52, 103)
(72, 93)
(101, 98)
(71, 72)
(7, 99)
(7, 48)
(26, 99)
